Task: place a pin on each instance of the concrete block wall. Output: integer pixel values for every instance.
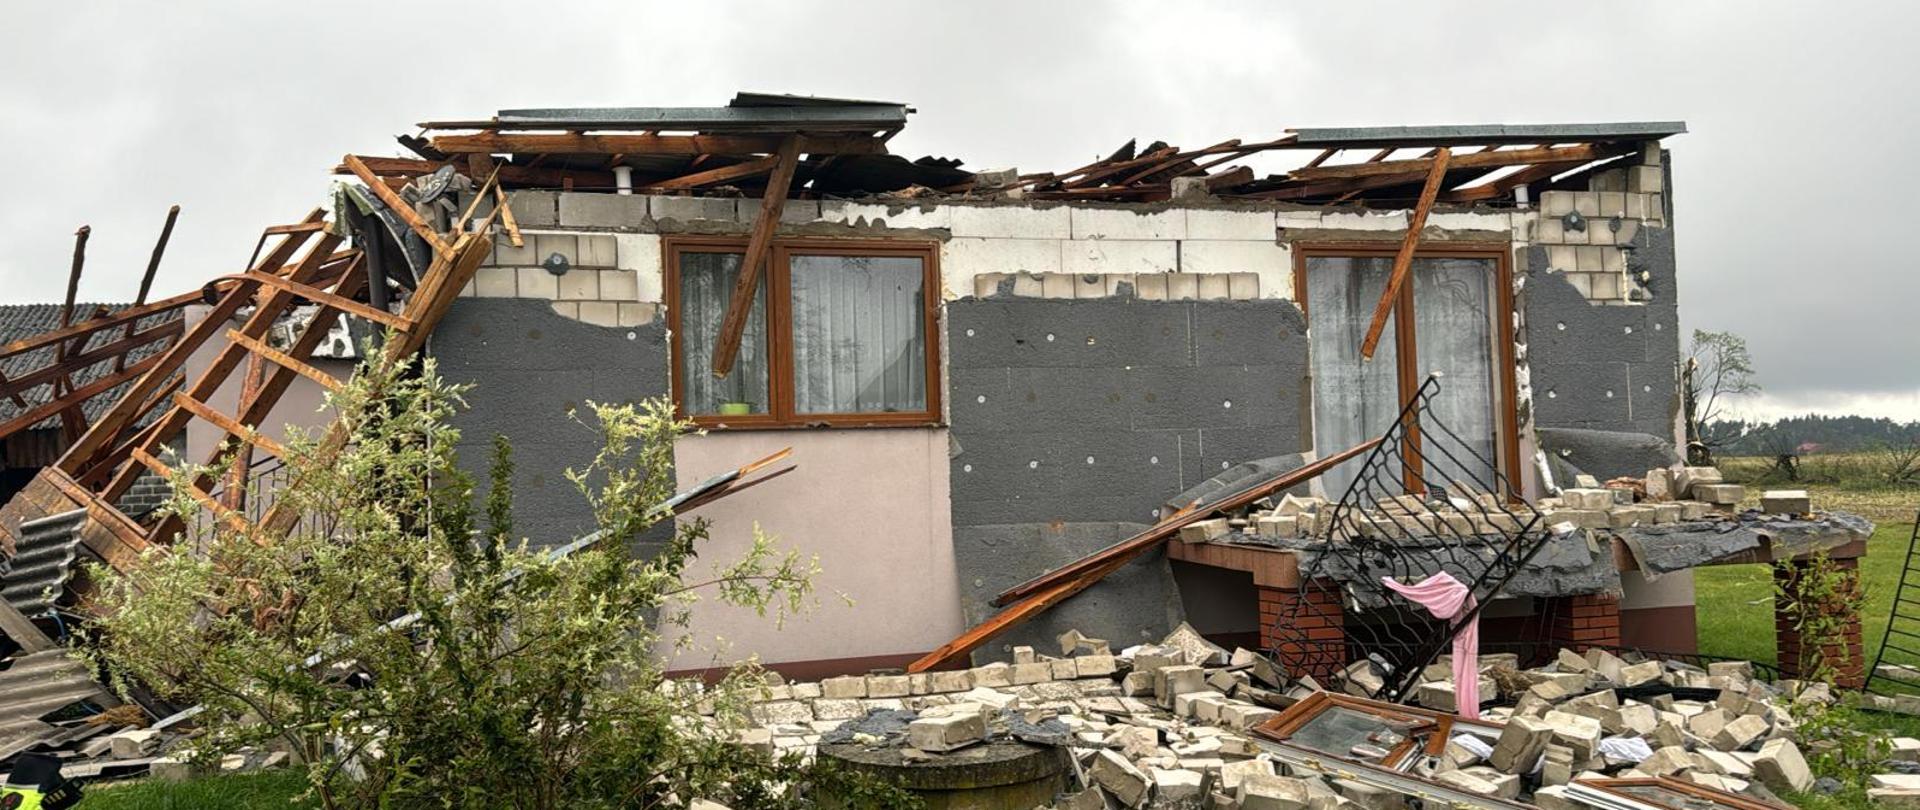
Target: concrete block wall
(602, 284)
(1601, 347)
(1590, 234)
(1072, 420)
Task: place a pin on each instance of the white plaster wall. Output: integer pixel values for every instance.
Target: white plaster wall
(871, 504)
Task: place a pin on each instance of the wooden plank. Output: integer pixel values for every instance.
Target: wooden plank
(1403, 261)
(1159, 532)
(21, 629)
(153, 267)
(759, 247)
(576, 143)
(393, 201)
(341, 303)
(229, 424)
(1528, 176)
(710, 177)
(1101, 173)
(283, 360)
(1480, 160)
(507, 223)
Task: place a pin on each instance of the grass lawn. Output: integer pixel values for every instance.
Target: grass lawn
(1734, 603)
(251, 791)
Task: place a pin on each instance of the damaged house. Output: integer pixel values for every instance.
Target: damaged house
(989, 375)
(1008, 390)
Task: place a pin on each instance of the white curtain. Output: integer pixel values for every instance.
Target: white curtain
(1453, 327)
(859, 334)
(1353, 399)
(706, 286)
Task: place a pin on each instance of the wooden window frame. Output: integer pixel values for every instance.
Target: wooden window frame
(778, 276)
(1506, 388)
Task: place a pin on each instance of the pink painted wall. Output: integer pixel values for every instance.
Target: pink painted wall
(871, 504)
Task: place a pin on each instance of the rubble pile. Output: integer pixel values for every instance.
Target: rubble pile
(1663, 496)
(1187, 723)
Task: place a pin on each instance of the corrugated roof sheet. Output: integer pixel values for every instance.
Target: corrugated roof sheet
(20, 321)
(38, 685)
(35, 577)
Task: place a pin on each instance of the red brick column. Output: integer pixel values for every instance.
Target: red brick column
(1586, 620)
(1791, 647)
(1305, 631)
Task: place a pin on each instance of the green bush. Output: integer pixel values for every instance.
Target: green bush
(457, 666)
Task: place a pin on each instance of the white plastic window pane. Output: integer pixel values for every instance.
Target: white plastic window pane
(859, 334)
(1453, 300)
(706, 286)
(1354, 400)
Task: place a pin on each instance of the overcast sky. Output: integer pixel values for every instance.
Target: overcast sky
(1791, 197)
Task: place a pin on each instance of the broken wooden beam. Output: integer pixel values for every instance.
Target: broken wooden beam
(283, 360)
(398, 206)
(751, 168)
(338, 302)
(759, 247)
(1403, 261)
(1518, 157)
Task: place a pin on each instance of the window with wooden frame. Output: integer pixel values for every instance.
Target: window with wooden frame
(1352, 728)
(842, 333)
(1452, 318)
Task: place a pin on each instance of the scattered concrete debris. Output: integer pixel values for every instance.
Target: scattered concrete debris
(1186, 723)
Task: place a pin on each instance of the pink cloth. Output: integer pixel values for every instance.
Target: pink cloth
(1445, 597)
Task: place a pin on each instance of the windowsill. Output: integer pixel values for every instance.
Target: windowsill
(722, 424)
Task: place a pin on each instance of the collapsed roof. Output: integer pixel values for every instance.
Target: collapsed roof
(734, 149)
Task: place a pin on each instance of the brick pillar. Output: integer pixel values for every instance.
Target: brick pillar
(1586, 620)
(1306, 632)
(1791, 647)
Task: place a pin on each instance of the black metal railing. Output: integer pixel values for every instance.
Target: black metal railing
(1423, 502)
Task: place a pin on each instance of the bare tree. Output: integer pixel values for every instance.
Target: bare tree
(1718, 370)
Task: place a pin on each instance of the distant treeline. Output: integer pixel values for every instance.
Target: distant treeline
(1811, 433)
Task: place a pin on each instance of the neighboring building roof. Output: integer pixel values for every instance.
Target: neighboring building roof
(22, 321)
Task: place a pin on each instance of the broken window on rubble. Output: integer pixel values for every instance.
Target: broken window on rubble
(838, 334)
(1361, 730)
(1445, 322)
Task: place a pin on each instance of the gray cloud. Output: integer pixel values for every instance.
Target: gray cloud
(1787, 193)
